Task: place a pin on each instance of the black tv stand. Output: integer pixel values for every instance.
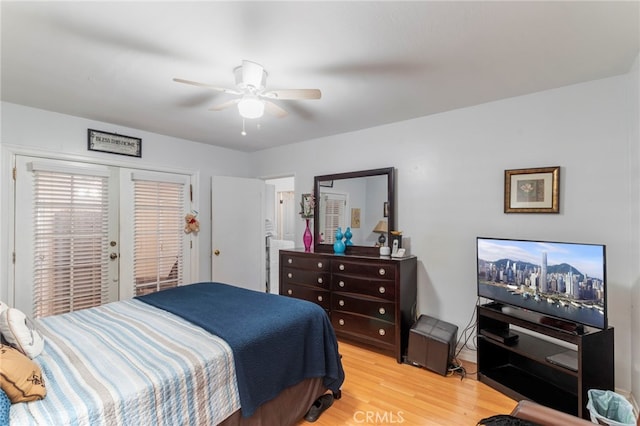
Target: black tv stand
(528, 369)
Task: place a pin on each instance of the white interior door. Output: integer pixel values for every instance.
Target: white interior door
(238, 232)
(286, 215)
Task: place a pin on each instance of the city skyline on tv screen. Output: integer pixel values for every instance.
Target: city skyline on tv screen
(565, 280)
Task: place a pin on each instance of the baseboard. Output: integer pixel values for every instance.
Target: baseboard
(466, 354)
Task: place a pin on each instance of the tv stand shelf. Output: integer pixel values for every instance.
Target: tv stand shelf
(520, 368)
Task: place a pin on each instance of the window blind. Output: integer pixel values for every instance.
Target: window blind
(158, 236)
(333, 216)
(71, 233)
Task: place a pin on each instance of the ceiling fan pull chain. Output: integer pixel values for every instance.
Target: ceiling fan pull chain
(243, 132)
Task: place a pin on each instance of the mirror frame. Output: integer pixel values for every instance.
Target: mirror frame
(391, 219)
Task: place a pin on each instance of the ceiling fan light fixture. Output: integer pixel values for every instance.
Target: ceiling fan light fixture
(251, 107)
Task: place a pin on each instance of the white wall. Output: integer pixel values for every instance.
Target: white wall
(450, 180)
(38, 131)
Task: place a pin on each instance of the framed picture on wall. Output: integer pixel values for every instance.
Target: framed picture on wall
(113, 143)
(355, 218)
(534, 190)
(385, 209)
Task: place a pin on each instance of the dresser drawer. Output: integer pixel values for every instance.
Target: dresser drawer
(321, 297)
(303, 276)
(371, 287)
(385, 271)
(361, 326)
(313, 263)
(375, 308)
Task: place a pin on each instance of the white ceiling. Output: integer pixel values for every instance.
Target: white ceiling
(375, 62)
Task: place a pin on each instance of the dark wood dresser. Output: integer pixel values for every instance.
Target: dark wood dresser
(370, 300)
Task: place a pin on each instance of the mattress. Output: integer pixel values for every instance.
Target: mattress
(129, 363)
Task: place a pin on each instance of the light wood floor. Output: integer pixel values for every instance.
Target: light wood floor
(379, 391)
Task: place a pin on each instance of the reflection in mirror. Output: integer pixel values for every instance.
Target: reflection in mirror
(358, 201)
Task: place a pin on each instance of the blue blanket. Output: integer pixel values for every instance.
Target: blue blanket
(276, 341)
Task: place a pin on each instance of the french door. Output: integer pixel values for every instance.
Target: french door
(82, 234)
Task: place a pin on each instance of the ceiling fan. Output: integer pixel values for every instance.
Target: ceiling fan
(251, 82)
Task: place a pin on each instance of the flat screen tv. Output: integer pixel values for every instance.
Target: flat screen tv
(554, 280)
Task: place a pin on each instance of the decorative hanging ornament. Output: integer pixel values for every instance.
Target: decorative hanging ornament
(192, 224)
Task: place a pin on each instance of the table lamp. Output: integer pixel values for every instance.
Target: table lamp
(382, 229)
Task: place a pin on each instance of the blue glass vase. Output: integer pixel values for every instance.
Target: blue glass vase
(338, 245)
(347, 237)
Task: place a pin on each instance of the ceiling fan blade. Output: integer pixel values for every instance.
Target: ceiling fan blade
(275, 110)
(291, 94)
(208, 86)
(224, 105)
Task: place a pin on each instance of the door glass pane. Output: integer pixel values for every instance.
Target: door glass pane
(70, 242)
(158, 240)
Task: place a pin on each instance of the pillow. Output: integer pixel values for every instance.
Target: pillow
(20, 378)
(3, 307)
(5, 404)
(20, 333)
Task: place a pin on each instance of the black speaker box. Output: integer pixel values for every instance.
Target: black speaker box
(432, 344)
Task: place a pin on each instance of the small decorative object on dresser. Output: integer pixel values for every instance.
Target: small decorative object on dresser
(339, 246)
(307, 238)
(370, 300)
(347, 237)
(306, 212)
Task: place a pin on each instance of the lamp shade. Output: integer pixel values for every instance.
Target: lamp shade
(381, 227)
(251, 107)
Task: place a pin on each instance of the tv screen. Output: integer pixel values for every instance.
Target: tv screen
(566, 281)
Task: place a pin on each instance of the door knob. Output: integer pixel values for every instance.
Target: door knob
(217, 252)
(113, 256)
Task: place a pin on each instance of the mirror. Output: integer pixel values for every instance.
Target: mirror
(359, 201)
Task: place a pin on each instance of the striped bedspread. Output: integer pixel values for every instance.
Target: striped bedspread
(129, 363)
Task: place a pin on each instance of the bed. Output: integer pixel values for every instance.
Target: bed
(201, 354)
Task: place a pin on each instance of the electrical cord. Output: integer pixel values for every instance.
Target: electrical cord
(468, 335)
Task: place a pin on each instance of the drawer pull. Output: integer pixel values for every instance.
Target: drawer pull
(381, 332)
(289, 292)
(382, 311)
(341, 321)
(319, 264)
(320, 280)
(290, 275)
(341, 267)
(341, 302)
(319, 298)
(381, 290)
(290, 260)
(341, 283)
(381, 271)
